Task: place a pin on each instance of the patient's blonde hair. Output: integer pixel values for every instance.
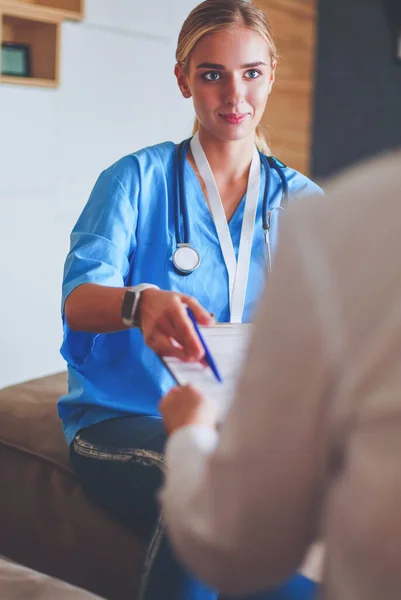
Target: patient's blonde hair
(218, 15)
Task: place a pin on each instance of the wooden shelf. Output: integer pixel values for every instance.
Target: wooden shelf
(46, 9)
(37, 24)
(69, 9)
(32, 81)
(42, 36)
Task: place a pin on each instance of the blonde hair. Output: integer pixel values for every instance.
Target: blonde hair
(217, 15)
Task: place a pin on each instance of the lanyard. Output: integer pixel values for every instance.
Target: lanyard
(237, 271)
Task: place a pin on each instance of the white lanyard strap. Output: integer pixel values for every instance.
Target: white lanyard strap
(237, 271)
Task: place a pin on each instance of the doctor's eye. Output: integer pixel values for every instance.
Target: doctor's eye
(253, 74)
(212, 76)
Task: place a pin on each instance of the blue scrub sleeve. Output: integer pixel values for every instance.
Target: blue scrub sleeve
(300, 186)
(103, 238)
(102, 242)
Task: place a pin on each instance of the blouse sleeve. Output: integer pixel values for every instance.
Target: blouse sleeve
(242, 508)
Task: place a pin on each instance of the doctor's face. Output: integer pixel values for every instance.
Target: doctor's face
(230, 76)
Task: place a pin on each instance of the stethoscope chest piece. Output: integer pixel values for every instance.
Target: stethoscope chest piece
(186, 259)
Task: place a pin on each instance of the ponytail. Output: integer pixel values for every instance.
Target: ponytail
(261, 141)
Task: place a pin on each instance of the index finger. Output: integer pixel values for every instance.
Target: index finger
(202, 316)
(186, 335)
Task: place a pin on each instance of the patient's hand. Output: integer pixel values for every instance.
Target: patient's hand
(185, 405)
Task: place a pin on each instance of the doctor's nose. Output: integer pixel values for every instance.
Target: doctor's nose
(234, 92)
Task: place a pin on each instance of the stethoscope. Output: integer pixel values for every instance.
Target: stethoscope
(186, 259)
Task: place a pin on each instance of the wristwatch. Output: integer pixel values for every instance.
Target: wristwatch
(130, 304)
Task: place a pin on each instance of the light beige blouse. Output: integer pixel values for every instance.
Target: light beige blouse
(312, 444)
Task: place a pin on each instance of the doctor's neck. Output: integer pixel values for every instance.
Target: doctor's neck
(229, 160)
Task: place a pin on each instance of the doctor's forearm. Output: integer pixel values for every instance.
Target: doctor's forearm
(95, 308)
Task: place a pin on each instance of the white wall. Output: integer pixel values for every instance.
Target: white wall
(117, 94)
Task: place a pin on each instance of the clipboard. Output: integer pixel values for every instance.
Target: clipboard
(228, 344)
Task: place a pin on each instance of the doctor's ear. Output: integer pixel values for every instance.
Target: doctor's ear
(273, 74)
(182, 81)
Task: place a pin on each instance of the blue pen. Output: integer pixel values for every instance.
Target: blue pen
(208, 357)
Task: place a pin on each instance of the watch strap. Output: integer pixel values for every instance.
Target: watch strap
(130, 303)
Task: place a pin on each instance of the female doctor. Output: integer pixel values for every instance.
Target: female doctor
(165, 228)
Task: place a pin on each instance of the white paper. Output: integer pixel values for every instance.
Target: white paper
(228, 344)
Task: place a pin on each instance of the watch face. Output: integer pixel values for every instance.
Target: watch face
(127, 306)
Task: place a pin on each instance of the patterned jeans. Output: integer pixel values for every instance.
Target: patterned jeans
(120, 463)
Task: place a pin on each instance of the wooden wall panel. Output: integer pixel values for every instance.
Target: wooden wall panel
(288, 116)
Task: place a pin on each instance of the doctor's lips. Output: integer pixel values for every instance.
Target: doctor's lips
(234, 118)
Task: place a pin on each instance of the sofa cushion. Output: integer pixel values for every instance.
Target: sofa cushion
(17, 582)
(46, 521)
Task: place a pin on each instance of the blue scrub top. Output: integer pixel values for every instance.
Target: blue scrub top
(125, 236)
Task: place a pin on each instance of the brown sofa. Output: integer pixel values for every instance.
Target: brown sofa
(21, 583)
(46, 521)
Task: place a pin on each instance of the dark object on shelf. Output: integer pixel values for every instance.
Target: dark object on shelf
(15, 59)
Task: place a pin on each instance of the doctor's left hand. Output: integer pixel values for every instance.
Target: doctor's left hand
(185, 405)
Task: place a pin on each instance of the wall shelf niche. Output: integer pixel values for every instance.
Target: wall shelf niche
(61, 9)
(36, 24)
